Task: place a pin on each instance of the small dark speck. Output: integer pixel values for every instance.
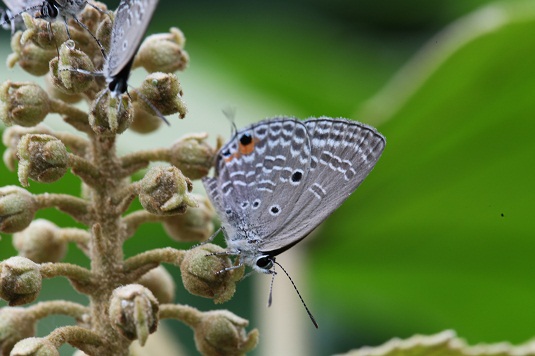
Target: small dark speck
(502, 215)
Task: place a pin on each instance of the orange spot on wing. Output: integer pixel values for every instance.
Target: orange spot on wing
(242, 150)
(247, 149)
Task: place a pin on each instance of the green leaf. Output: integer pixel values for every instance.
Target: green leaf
(445, 343)
(441, 234)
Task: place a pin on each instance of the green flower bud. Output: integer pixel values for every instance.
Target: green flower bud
(56, 93)
(43, 158)
(202, 276)
(164, 92)
(144, 121)
(160, 283)
(63, 74)
(20, 280)
(92, 18)
(111, 115)
(38, 31)
(79, 353)
(195, 225)
(223, 333)
(40, 242)
(163, 52)
(10, 159)
(11, 138)
(165, 191)
(17, 209)
(24, 104)
(29, 56)
(192, 155)
(103, 32)
(134, 312)
(15, 324)
(34, 346)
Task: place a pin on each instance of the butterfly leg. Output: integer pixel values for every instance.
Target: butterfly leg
(81, 24)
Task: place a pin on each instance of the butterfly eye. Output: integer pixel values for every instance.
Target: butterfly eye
(264, 262)
(50, 11)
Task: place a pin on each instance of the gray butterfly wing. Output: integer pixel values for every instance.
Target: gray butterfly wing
(257, 176)
(14, 10)
(131, 22)
(17, 7)
(343, 153)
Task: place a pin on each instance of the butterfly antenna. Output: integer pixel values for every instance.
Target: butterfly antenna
(299, 294)
(273, 274)
(230, 114)
(147, 101)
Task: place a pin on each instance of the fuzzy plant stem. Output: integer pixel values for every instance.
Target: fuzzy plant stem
(106, 244)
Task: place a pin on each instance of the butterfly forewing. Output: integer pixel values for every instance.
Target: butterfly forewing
(131, 22)
(254, 167)
(16, 8)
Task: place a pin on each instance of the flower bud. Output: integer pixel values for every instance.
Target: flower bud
(144, 121)
(39, 32)
(103, 32)
(202, 273)
(81, 353)
(34, 346)
(92, 18)
(195, 225)
(134, 312)
(63, 70)
(10, 159)
(29, 56)
(164, 92)
(160, 283)
(111, 115)
(165, 191)
(20, 280)
(192, 155)
(24, 104)
(56, 93)
(163, 52)
(11, 138)
(15, 324)
(17, 209)
(42, 158)
(40, 242)
(223, 333)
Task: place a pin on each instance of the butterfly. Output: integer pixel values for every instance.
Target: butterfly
(277, 180)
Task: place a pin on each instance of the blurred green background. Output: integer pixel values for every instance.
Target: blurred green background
(440, 235)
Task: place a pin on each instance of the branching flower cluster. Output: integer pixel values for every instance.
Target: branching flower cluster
(128, 296)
